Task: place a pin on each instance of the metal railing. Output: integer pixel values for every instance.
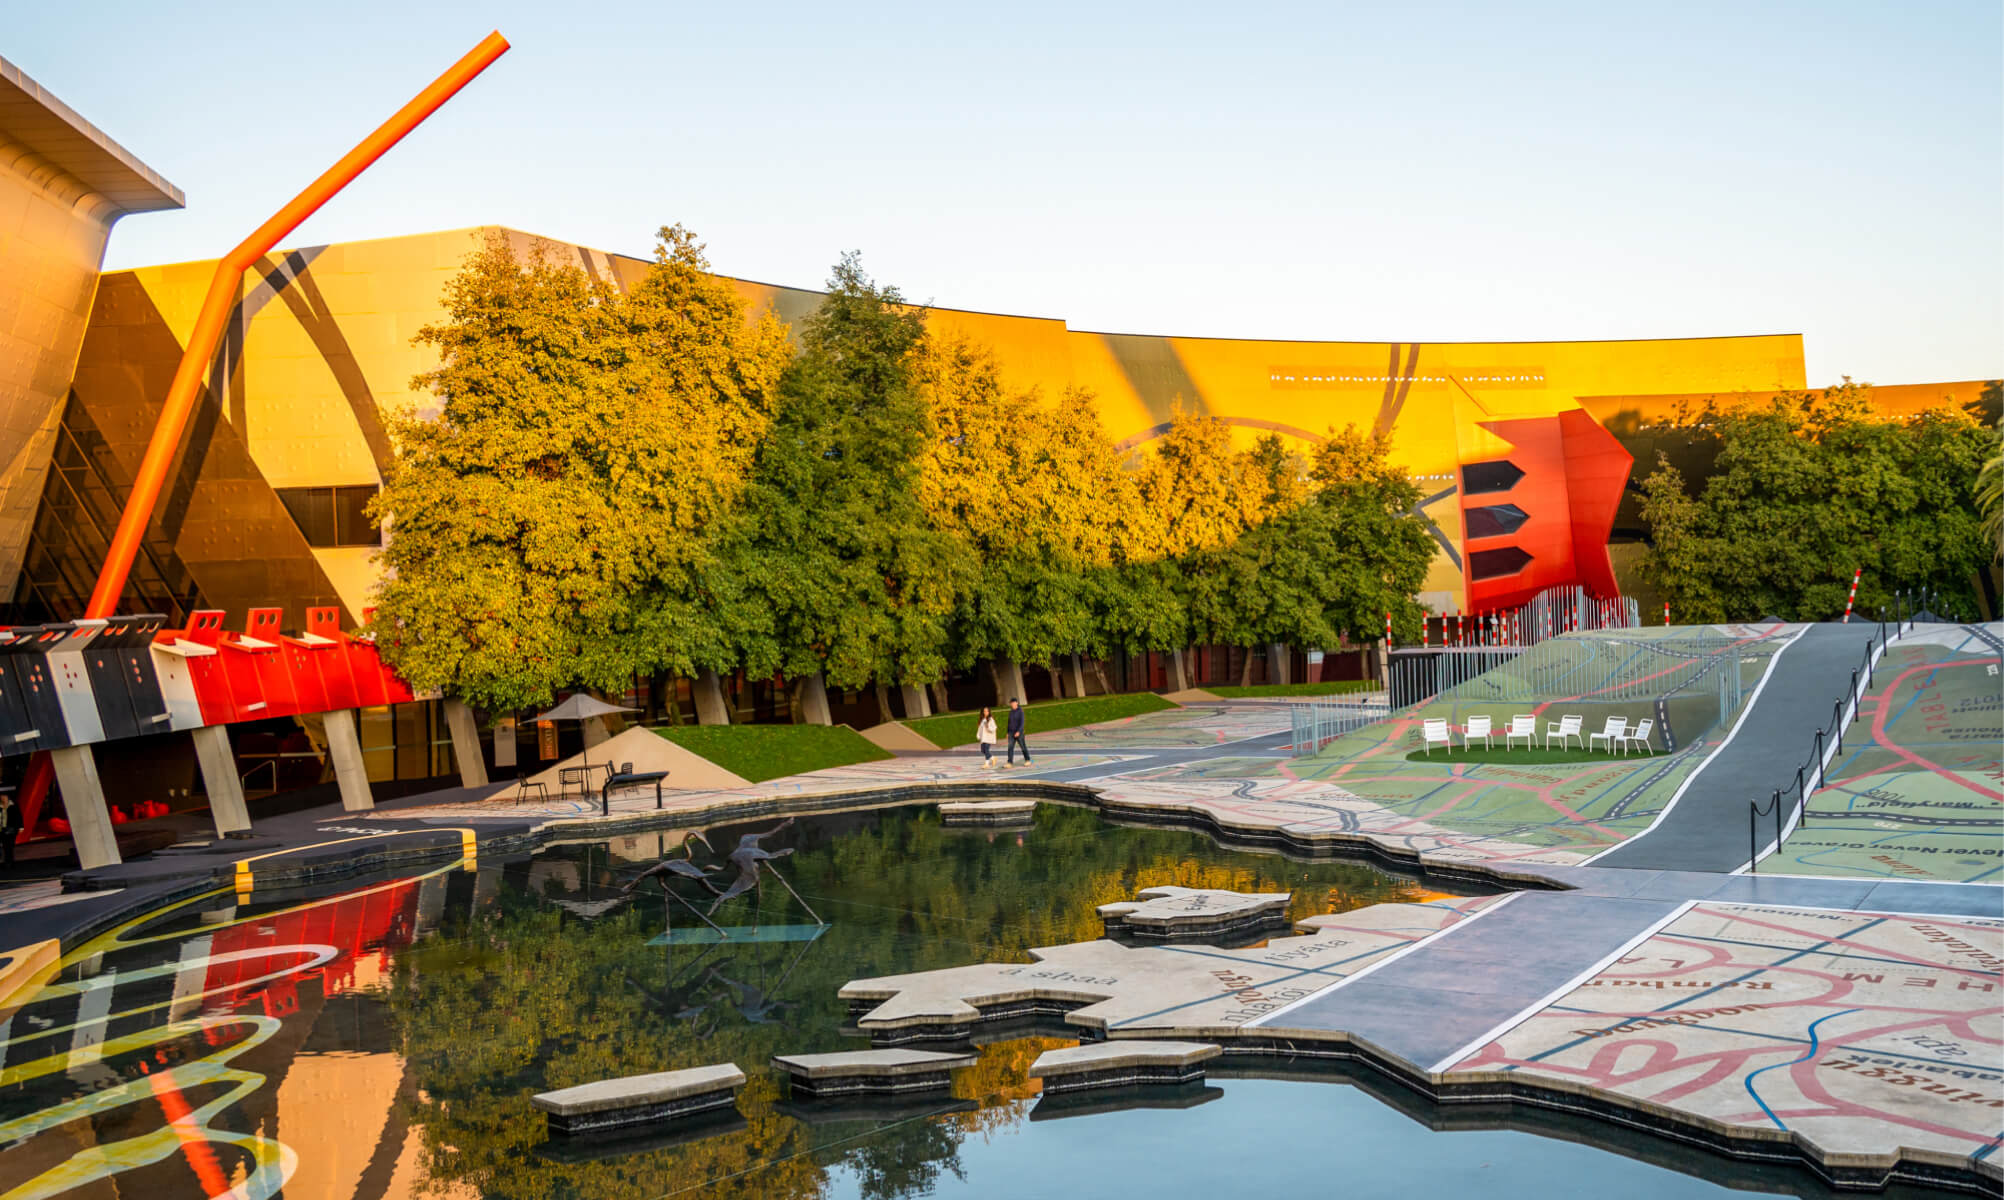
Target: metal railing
(1829, 740)
(1316, 724)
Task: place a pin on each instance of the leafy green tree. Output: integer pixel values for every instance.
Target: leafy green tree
(832, 566)
(548, 517)
(1806, 489)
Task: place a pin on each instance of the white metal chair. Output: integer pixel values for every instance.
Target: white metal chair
(1434, 730)
(1477, 727)
(1523, 725)
(1563, 729)
(1614, 733)
(1640, 735)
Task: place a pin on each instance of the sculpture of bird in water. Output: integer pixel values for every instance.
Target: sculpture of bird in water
(747, 858)
(685, 867)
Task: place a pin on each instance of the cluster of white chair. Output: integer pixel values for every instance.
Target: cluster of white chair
(1616, 734)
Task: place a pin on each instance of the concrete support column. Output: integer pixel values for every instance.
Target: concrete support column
(1008, 683)
(505, 752)
(814, 701)
(344, 748)
(594, 732)
(710, 708)
(1179, 675)
(221, 781)
(465, 744)
(916, 705)
(1279, 657)
(83, 804)
(1074, 676)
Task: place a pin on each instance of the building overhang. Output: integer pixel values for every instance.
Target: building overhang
(53, 132)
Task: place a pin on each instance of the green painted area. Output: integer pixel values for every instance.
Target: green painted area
(1334, 687)
(1915, 794)
(1518, 757)
(957, 729)
(761, 752)
(1574, 799)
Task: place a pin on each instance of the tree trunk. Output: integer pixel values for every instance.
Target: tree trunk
(1280, 661)
(1245, 672)
(813, 692)
(710, 709)
(1099, 669)
(1179, 675)
(884, 716)
(940, 704)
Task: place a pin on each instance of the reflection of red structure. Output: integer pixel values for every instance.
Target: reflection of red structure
(1540, 516)
(376, 918)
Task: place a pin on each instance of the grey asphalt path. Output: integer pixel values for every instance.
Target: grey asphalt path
(1706, 830)
(1455, 991)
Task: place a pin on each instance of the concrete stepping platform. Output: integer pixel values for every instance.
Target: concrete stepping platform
(1170, 913)
(640, 1099)
(988, 812)
(871, 1072)
(1125, 1063)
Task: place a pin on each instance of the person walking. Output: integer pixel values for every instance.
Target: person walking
(1016, 732)
(984, 732)
(10, 826)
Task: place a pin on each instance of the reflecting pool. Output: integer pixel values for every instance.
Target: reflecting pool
(382, 1039)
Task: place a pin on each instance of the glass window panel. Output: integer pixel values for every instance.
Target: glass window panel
(351, 524)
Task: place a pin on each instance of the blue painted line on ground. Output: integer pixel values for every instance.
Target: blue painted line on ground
(1806, 1055)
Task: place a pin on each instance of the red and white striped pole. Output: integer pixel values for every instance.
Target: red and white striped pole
(1666, 612)
(1853, 597)
(1388, 631)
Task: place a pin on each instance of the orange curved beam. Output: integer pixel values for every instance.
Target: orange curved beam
(222, 297)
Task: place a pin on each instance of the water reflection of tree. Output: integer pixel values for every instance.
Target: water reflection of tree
(521, 996)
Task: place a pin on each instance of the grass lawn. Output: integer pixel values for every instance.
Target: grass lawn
(1520, 756)
(957, 729)
(760, 752)
(1332, 688)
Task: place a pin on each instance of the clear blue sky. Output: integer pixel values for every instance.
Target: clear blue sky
(1397, 172)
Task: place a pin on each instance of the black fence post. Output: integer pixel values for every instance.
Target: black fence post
(1777, 820)
(1801, 796)
(1753, 844)
(1820, 778)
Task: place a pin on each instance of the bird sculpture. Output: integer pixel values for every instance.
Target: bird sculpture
(747, 858)
(685, 866)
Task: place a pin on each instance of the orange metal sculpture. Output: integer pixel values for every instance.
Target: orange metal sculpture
(208, 331)
(222, 298)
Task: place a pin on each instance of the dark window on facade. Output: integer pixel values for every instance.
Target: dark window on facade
(1488, 564)
(1498, 476)
(333, 516)
(1494, 520)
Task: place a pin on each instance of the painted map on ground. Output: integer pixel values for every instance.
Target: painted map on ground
(1857, 1030)
(1917, 792)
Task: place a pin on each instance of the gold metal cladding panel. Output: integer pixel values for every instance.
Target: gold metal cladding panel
(50, 249)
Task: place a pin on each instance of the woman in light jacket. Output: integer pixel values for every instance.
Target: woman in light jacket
(984, 732)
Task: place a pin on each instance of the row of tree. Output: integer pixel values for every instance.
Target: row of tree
(1808, 488)
(614, 485)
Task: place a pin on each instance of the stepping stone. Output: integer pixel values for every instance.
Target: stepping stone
(640, 1099)
(1126, 1063)
(878, 1072)
(987, 812)
(1164, 913)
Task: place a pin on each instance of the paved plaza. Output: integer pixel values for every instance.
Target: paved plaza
(1833, 1005)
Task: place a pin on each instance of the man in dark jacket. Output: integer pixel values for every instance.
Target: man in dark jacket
(10, 824)
(1016, 732)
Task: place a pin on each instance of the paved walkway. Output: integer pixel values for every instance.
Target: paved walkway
(1705, 827)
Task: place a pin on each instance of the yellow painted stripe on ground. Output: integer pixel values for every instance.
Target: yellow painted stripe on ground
(246, 879)
(23, 971)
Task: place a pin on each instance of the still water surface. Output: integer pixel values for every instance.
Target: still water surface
(381, 1040)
